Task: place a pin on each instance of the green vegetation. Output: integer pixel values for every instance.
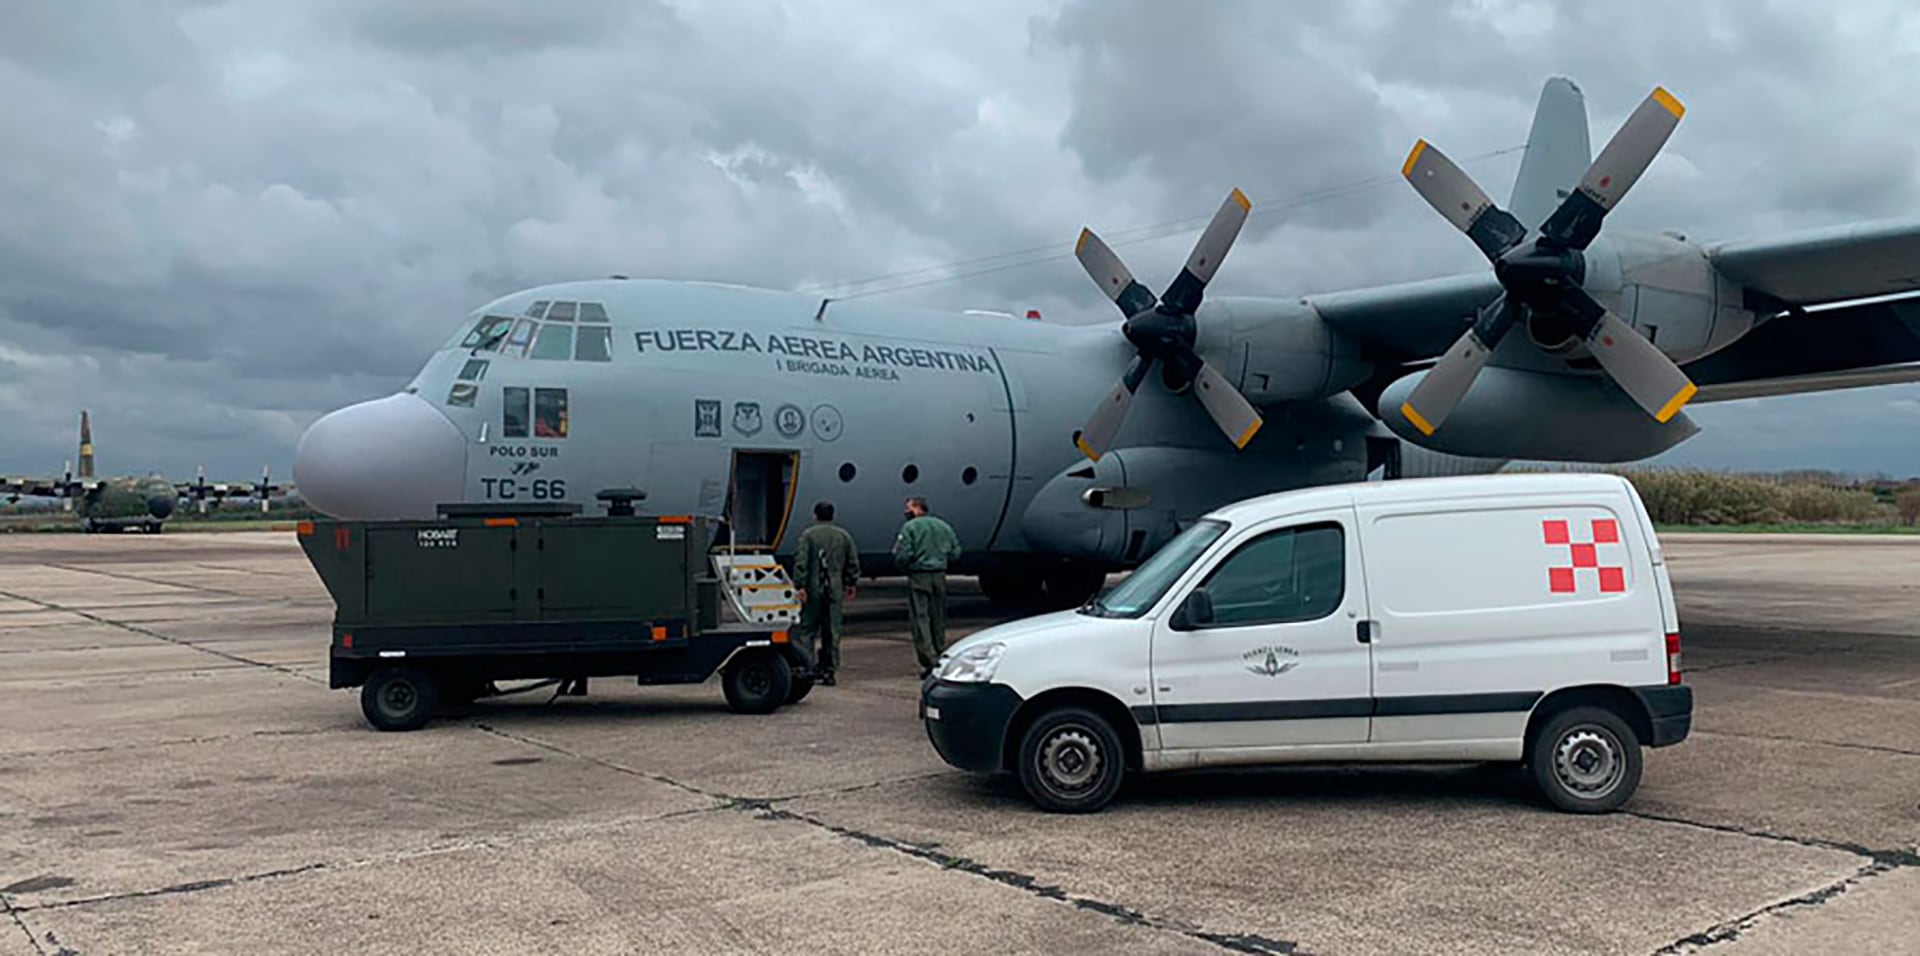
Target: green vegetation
(1794, 502)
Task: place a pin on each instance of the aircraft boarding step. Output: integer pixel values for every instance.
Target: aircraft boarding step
(757, 587)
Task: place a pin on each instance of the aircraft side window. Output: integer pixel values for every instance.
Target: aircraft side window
(474, 370)
(537, 309)
(487, 333)
(522, 336)
(593, 345)
(592, 312)
(560, 312)
(1296, 574)
(969, 475)
(513, 412)
(549, 413)
(462, 394)
(555, 342)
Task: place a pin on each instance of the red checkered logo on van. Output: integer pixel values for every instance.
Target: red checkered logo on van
(1584, 556)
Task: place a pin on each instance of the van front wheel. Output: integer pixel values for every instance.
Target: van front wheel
(1071, 761)
(1585, 760)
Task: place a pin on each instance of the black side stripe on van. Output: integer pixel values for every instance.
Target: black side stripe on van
(1418, 706)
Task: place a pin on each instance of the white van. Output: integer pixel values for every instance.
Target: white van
(1523, 618)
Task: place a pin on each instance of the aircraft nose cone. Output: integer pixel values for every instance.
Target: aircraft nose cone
(160, 506)
(394, 457)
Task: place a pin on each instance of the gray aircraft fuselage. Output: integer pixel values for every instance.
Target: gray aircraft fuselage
(707, 388)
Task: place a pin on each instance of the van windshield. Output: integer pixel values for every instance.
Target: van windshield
(1145, 587)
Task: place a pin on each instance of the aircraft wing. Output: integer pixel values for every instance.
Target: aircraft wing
(1846, 346)
(1826, 265)
(221, 490)
(13, 486)
(1412, 320)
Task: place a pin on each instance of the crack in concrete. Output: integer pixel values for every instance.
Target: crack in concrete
(763, 808)
(1873, 748)
(1235, 942)
(140, 580)
(167, 742)
(1732, 929)
(1891, 858)
(156, 635)
(14, 916)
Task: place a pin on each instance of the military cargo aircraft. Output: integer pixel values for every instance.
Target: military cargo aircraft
(739, 402)
(132, 502)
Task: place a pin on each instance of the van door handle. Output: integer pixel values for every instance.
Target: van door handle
(1363, 631)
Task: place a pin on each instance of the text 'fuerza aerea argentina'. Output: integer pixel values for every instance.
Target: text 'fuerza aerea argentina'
(809, 351)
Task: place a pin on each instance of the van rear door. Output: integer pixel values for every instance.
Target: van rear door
(1486, 603)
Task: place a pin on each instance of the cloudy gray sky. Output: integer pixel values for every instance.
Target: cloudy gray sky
(220, 220)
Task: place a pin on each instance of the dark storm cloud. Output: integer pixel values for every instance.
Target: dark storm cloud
(223, 219)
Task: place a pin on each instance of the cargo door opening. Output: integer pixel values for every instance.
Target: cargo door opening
(760, 498)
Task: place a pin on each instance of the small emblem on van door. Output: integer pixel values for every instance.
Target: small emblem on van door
(1271, 661)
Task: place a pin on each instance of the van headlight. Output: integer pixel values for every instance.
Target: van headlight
(975, 665)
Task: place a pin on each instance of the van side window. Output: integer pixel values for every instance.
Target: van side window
(1297, 574)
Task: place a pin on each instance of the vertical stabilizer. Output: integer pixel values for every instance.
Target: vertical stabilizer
(86, 446)
(1558, 153)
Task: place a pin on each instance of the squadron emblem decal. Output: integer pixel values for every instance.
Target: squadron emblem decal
(1271, 661)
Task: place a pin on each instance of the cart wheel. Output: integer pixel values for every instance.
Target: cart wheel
(757, 682)
(802, 686)
(398, 698)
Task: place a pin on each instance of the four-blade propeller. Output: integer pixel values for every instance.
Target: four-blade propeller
(1543, 278)
(1162, 330)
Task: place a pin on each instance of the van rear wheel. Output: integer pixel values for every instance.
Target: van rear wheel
(1071, 761)
(1585, 760)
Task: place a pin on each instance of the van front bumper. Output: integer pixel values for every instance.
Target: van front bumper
(967, 723)
(1670, 712)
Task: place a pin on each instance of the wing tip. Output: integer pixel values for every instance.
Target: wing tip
(1419, 421)
(1413, 156)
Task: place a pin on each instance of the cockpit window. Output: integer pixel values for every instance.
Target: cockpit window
(522, 335)
(474, 370)
(486, 333)
(513, 412)
(593, 345)
(462, 394)
(549, 413)
(537, 309)
(592, 312)
(555, 342)
(561, 312)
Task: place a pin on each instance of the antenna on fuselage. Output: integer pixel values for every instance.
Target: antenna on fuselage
(820, 314)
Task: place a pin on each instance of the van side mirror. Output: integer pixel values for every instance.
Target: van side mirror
(1194, 612)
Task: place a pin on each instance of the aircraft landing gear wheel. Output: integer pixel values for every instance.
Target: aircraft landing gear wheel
(398, 698)
(756, 682)
(1585, 760)
(1071, 761)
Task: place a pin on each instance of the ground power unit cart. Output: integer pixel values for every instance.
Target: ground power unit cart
(435, 612)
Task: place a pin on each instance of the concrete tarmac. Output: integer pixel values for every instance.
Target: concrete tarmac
(175, 777)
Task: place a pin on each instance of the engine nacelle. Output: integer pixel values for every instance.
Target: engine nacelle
(1278, 350)
(1511, 413)
(1121, 509)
